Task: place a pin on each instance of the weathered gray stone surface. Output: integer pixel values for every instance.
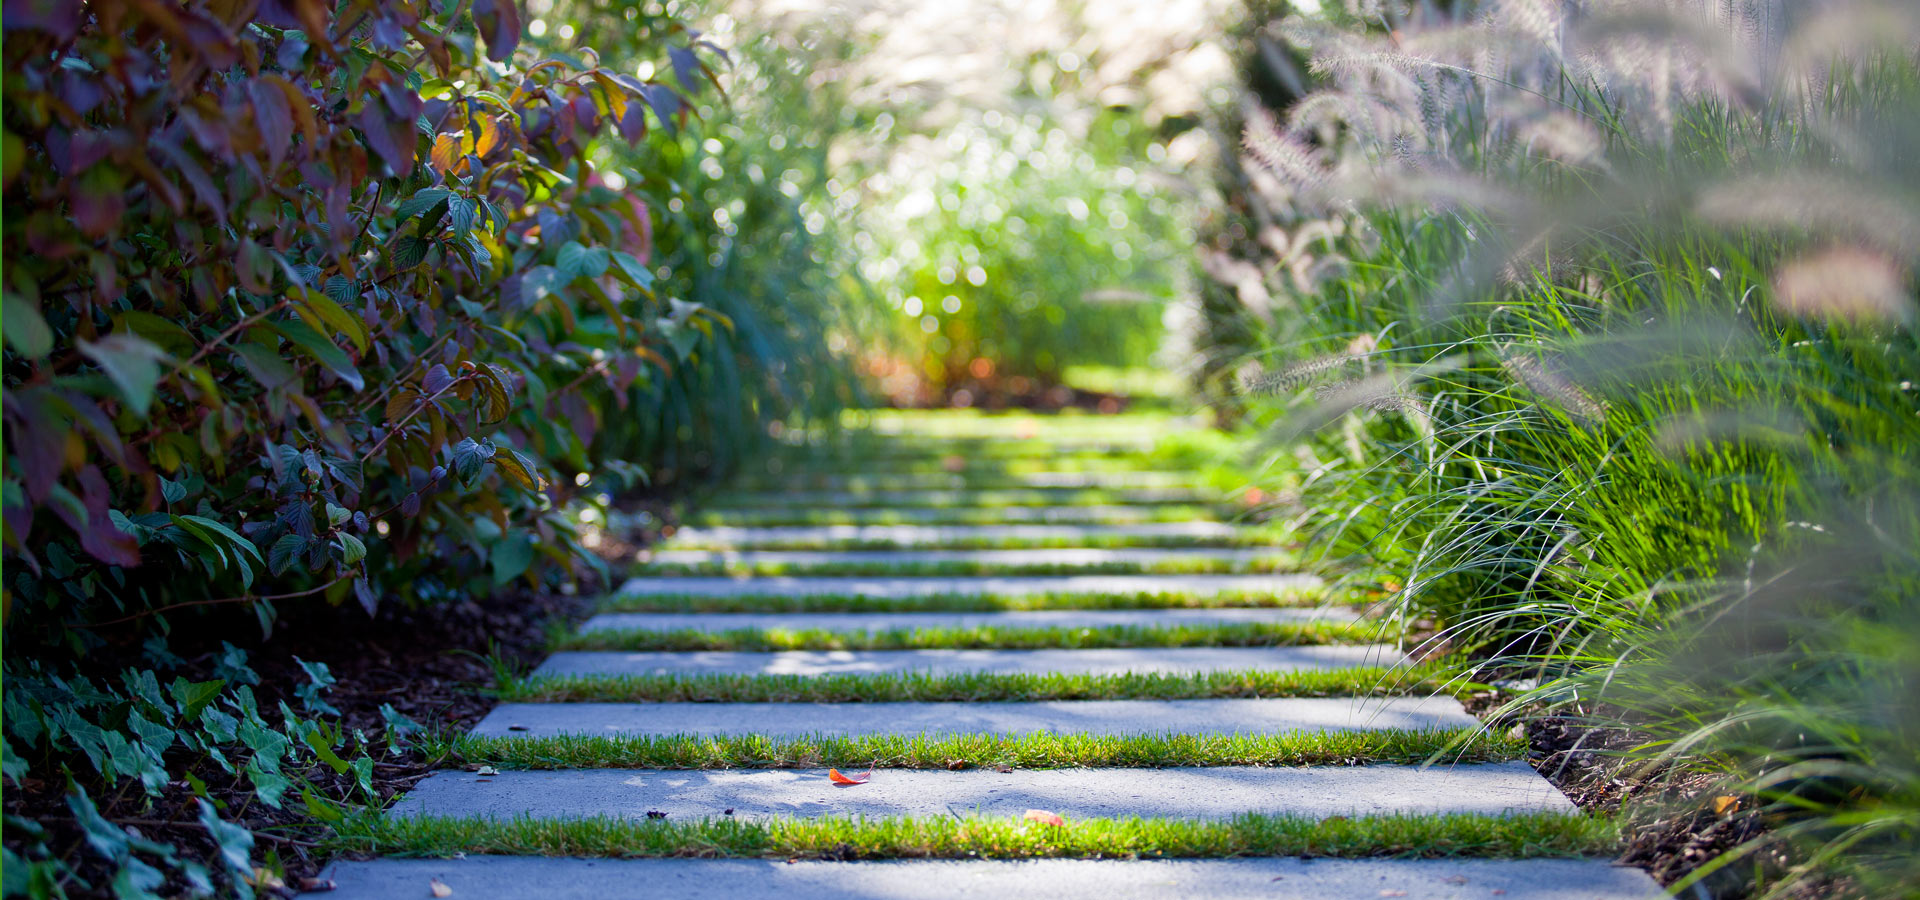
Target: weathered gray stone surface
(904, 481)
(943, 534)
(920, 585)
(873, 623)
(1196, 793)
(856, 515)
(1060, 556)
(869, 662)
(946, 498)
(532, 878)
(1261, 716)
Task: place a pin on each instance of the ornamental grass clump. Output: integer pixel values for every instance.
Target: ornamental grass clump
(1647, 270)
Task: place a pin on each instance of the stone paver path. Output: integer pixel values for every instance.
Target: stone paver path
(1013, 511)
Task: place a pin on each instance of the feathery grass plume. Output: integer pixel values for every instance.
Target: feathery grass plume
(1848, 283)
(1851, 30)
(1550, 386)
(1261, 383)
(1822, 203)
(1284, 153)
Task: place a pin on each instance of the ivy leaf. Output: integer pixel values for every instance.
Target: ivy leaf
(131, 363)
(192, 697)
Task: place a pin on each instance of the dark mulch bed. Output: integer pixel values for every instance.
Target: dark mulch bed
(1680, 819)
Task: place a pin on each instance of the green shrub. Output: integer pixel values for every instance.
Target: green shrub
(297, 306)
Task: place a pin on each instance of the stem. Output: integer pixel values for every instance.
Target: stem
(243, 598)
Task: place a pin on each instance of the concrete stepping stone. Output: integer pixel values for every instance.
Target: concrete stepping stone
(1180, 793)
(1063, 556)
(999, 499)
(938, 514)
(874, 623)
(1107, 661)
(1109, 717)
(947, 534)
(896, 481)
(933, 585)
(1288, 878)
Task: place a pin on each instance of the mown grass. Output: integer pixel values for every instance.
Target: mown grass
(902, 687)
(1292, 596)
(960, 751)
(1525, 836)
(754, 640)
(1268, 565)
(1077, 515)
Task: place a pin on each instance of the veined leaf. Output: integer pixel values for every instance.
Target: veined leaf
(321, 349)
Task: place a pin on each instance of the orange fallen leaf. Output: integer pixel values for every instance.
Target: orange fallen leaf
(1044, 817)
(834, 776)
(439, 888)
(1722, 804)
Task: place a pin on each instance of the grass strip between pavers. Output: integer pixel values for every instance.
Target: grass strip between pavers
(1273, 565)
(963, 515)
(990, 637)
(1302, 596)
(1040, 750)
(1531, 835)
(984, 687)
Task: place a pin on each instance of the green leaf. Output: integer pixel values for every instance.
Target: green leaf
(576, 261)
(228, 533)
(423, 200)
(336, 316)
(131, 363)
(468, 456)
(511, 557)
(322, 349)
(409, 251)
(324, 751)
(26, 329)
(235, 842)
(637, 273)
(284, 553)
(351, 549)
(265, 365)
(337, 514)
(192, 697)
(519, 469)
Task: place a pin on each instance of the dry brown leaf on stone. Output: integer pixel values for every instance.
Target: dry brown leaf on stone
(439, 888)
(309, 885)
(1044, 817)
